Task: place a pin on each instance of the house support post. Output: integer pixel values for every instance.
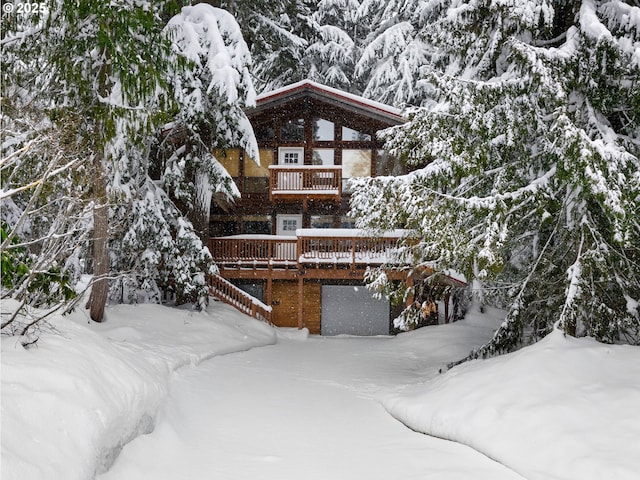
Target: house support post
(269, 293)
(447, 297)
(300, 296)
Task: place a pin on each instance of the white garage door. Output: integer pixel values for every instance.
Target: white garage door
(353, 311)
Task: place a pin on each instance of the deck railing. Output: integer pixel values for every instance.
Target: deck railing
(232, 295)
(254, 249)
(310, 246)
(313, 181)
(348, 249)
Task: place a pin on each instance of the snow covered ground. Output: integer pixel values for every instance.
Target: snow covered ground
(311, 407)
(70, 402)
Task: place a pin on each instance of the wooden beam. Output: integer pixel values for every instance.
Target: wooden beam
(300, 297)
(447, 297)
(269, 292)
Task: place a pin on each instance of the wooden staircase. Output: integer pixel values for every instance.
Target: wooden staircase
(228, 293)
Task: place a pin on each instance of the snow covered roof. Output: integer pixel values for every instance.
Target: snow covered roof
(365, 105)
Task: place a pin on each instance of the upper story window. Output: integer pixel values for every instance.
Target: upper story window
(322, 156)
(292, 130)
(323, 130)
(264, 133)
(351, 135)
(290, 155)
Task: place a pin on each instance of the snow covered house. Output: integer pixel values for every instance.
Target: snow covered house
(287, 250)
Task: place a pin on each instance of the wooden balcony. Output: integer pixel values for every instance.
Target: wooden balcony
(319, 249)
(305, 182)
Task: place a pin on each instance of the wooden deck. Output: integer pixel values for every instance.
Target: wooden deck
(315, 253)
(293, 268)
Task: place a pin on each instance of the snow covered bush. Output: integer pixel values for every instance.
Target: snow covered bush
(526, 163)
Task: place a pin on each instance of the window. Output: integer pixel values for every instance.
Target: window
(289, 225)
(351, 135)
(387, 165)
(347, 222)
(264, 133)
(290, 155)
(256, 225)
(321, 221)
(222, 226)
(323, 130)
(322, 156)
(292, 130)
(356, 163)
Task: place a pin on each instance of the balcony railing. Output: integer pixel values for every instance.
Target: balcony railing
(305, 181)
(337, 247)
(254, 250)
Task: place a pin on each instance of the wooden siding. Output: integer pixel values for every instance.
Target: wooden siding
(284, 305)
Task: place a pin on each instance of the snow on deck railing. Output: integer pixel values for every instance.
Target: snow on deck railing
(329, 246)
(241, 300)
(314, 180)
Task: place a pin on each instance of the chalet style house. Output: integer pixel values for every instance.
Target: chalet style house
(287, 250)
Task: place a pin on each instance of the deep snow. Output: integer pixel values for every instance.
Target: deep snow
(309, 407)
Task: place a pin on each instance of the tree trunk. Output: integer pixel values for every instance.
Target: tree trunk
(100, 288)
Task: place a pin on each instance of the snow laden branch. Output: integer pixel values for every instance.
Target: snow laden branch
(525, 164)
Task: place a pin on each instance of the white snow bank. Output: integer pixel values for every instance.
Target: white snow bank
(292, 333)
(563, 408)
(70, 402)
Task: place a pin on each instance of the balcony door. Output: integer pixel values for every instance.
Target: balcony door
(287, 225)
(290, 157)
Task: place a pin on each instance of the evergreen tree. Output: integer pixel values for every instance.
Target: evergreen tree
(330, 57)
(159, 248)
(393, 52)
(103, 63)
(527, 165)
(278, 33)
(111, 72)
(210, 96)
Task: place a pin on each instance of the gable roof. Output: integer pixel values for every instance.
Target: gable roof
(339, 98)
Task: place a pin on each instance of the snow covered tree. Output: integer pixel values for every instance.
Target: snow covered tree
(43, 218)
(277, 33)
(124, 75)
(393, 52)
(527, 170)
(210, 95)
(330, 56)
(158, 247)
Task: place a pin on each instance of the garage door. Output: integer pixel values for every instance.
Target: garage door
(352, 310)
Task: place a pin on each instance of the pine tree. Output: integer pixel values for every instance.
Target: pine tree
(393, 52)
(527, 165)
(278, 33)
(210, 95)
(330, 57)
(164, 221)
(113, 70)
